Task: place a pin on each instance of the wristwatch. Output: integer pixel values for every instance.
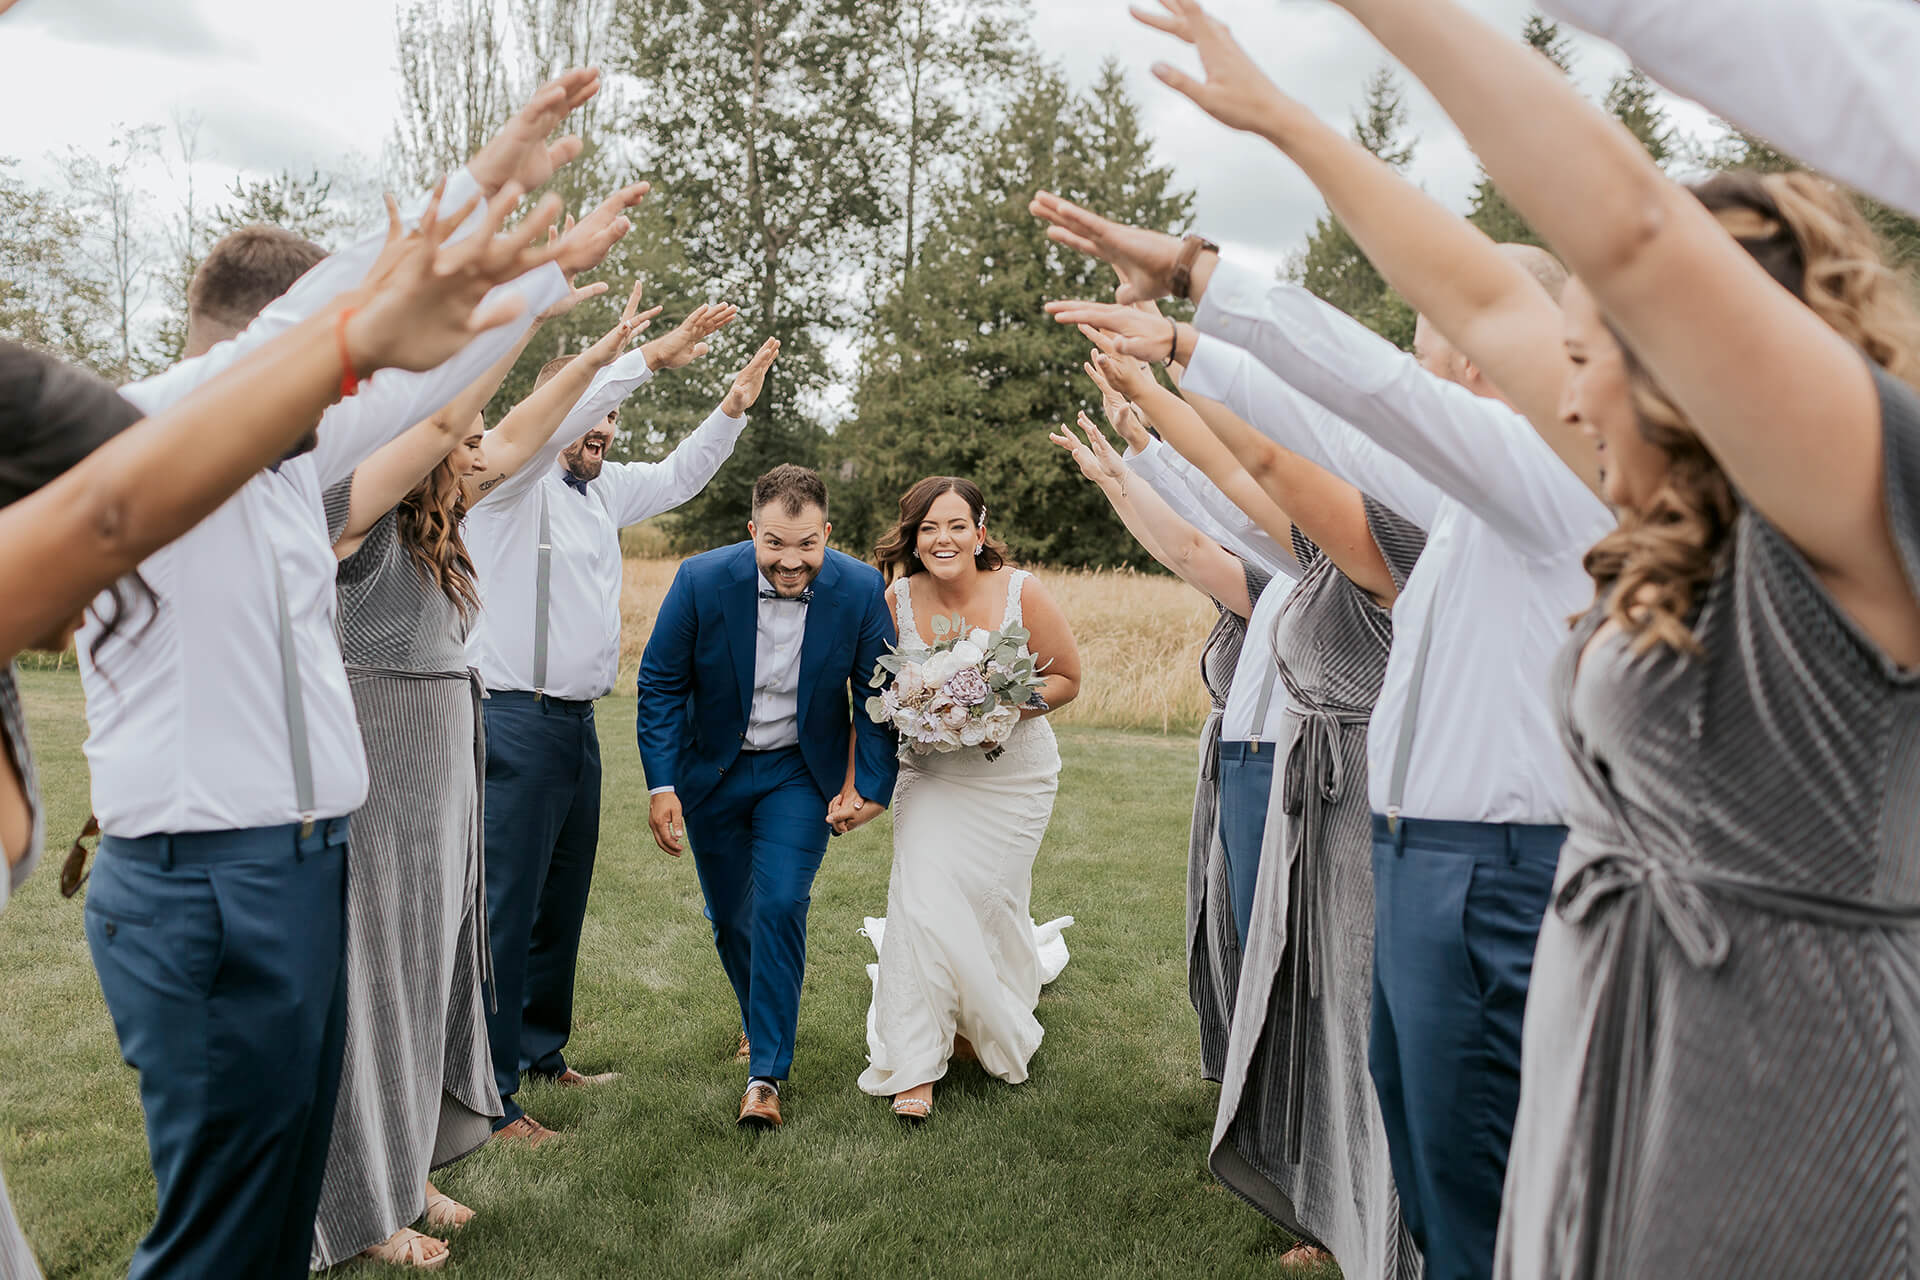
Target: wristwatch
(1190, 250)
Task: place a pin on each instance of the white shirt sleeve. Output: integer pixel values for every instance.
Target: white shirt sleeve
(1235, 379)
(330, 277)
(639, 490)
(1200, 502)
(393, 400)
(1831, 82)
(1479, 451)
(606, 392)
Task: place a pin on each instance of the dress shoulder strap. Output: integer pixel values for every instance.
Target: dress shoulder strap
(903, 607)
(1014, 584)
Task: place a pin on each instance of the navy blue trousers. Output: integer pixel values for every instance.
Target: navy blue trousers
(1457, 910)
(1246, 783)
(757, 844)
(222, 959)
(542, 830)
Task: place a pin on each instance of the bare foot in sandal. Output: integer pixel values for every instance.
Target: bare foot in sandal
(1304, 1255)
(444, 1213)
(408, 1248)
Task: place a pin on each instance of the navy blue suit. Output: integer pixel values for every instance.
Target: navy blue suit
(757, 820)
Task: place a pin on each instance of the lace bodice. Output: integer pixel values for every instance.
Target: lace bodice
(910, 637)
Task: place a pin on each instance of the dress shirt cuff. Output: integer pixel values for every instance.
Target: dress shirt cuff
(1233, 296)
(1212, 370)
(660, 791)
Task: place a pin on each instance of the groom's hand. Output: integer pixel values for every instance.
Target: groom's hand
(848, 811)
(669, 825)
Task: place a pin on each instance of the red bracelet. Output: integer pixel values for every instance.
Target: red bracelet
(349, 380)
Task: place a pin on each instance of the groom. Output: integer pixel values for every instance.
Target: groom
(751, 749)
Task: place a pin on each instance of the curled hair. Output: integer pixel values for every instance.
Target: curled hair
(429, 527)
(1813, 241)
(894, 553)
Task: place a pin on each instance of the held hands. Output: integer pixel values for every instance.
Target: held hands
(849, 812)
(1144, 259)
(633, 323)
(687, 341)
(1234, 91)
(422, 301)
(668, 823)
(520, 152)
(747, 383)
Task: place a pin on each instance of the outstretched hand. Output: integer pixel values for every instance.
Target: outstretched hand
(520, 152)
(1125, 374)
(1143, 335)
(1144, 259)
(747, 383)
(1234, 91)
(424, 298)
(587, 242)
(687, 341)
(633, 322)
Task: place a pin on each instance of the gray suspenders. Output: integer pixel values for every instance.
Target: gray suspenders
(1403, 748)
(542, 590)
(297, 745)
(1267, 680)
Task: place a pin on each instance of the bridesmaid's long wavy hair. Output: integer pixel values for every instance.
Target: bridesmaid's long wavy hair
(894, 552)
(429, 528)
(1812, 240)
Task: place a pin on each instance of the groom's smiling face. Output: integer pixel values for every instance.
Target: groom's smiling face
(789, 547)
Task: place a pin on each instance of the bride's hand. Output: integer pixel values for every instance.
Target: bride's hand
(848, 811)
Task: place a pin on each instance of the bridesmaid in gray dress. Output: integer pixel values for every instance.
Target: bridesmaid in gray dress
(1298, 1132)
(16, 1255)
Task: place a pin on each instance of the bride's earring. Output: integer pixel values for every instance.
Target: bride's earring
(980, 550)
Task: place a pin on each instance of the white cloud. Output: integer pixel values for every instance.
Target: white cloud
(166, 29)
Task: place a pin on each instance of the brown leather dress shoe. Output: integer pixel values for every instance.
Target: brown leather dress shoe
(571, 1077)
(761, 1107)
(526, 1129)
(744, 1050)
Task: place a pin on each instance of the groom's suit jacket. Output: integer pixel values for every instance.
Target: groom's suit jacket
(696, 677)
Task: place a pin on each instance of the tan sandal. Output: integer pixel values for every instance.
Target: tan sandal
(444, 1213)
(408, 1248)
(915, 1109)
(1304, 1255)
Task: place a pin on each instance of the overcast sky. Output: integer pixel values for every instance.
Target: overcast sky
(279, 85)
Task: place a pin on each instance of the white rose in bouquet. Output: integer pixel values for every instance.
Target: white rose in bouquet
(938, 668)
(908, 684)
(980, 638)
(969, 653)
(974, 734)
(956, 716)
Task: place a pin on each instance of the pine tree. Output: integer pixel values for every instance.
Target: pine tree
(1332, 267)
(1490, 211)
(965, 373)
(1635, 103)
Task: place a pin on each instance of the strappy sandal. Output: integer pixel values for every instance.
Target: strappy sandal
(914, 1110)
(444, 1213)
(1304, 1255)
(408, 1248)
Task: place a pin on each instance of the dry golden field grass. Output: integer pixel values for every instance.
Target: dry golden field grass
(1139, 634)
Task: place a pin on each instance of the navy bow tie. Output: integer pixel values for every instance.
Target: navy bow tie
(805, 597)
(573, 481)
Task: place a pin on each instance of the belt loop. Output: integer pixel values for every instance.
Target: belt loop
(1399, 829)
(1513, 845)
(166, 853)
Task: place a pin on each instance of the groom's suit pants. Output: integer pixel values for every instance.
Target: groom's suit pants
(757, 842)
(542, 829)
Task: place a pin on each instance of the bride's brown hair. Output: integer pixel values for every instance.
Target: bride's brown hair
(894, 552)
(1812, 240)
(429, 528)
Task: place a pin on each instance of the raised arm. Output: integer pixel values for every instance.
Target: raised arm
(1190, 555)
(1786, 405)
(1780, 78)
(66, 542)
(1478, 296)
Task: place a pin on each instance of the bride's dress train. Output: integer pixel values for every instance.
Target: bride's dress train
(959, 951)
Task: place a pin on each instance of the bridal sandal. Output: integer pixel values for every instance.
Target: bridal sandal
(408, 1248)
(914, 1109)
(444, 1213)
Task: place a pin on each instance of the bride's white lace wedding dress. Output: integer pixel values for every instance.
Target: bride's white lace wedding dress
(958, 948)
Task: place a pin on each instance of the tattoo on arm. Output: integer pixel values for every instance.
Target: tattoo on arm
(491, 481)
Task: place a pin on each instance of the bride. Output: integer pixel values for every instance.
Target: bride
(960, 966)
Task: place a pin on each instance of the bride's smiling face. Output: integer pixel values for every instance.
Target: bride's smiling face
(949, 538)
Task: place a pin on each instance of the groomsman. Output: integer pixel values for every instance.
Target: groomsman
(226, 757)
(545, 543)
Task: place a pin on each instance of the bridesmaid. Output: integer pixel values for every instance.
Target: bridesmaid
(417, 1088)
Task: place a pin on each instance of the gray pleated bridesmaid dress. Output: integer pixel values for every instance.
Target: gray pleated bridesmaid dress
(16, 1255)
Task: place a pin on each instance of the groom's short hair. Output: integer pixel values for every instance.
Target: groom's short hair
(244, 271)
(795, 488)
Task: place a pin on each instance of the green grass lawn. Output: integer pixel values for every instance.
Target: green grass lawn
(1096, 1166)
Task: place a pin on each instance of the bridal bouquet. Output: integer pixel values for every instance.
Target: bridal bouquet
(965, 692)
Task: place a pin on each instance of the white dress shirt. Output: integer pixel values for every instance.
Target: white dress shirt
(1830, 82)
(1195, 498)
(780, 627)
(1507, 526)
(186, 713)
(583, 611)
